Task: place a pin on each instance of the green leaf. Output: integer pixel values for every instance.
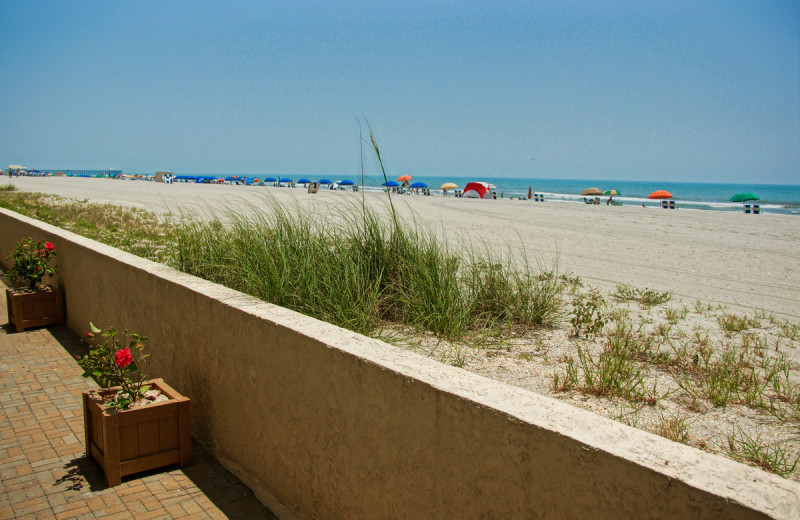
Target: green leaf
(94, 329)
(144, 388)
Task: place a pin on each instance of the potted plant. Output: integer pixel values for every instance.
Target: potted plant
(131, 424)
(31, 304)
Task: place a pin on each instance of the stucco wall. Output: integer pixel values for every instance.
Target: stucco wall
(324, 423)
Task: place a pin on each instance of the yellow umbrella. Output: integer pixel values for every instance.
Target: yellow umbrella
(448, 186)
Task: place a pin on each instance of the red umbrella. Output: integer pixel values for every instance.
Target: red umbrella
(660, 194)
(404, 178)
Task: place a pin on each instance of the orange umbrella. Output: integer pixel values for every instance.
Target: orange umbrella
(660, 194)
(404, 178)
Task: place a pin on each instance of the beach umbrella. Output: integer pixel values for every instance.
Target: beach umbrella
(256, 179)
(391, 184)
(592, 191)
(744, 197)
(270, 179)
(611, 192)
(304, 181)
(346, 182)
(285, 179)
(418, 185)
(660, 194)
(404, 178)
(325, 181)
(448, 186)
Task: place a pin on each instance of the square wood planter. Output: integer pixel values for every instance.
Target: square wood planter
(35, 309)
(137, 439)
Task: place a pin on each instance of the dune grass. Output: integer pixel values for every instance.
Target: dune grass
(358, 268)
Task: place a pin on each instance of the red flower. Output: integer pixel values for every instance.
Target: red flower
(123, 358)
(89, 335)
(49, 246)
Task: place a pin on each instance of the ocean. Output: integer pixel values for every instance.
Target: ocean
(774, 198)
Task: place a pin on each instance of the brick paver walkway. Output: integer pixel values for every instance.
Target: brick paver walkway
(43, 469)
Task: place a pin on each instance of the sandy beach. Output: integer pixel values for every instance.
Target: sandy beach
(746, 262)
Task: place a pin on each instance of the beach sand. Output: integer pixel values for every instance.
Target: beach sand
(731, 262)
(742, 261)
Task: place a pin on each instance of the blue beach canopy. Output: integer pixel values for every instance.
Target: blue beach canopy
(325, 181)
(391, 184)
(304, 181)
(346, 182)
(418, 185)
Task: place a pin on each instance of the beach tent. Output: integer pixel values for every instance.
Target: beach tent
(476, 190)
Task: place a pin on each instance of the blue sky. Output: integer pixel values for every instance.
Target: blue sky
(639, 90)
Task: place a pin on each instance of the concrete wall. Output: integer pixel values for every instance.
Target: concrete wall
(324, 423)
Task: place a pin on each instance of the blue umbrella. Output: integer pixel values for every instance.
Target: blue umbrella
(325, 181)
(270, 179)
(232, 178)
(391, 184)
(304, 181)
(286, 179)
(418, 185)
(346, 182)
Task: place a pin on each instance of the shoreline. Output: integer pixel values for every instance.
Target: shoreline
(724, 258)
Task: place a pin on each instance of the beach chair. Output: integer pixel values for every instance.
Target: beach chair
(664, 204)
(756, 209)
(747, 209)
(672, 204)
(313, 187)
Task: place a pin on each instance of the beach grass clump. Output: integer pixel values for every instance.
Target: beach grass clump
(673, 427)
(645, 297)
(361, 268)
(133, 230)
(618, 370)
(732, 323)
(8, 187)
(773, 457)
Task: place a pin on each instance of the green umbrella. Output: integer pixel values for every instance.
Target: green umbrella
(744, 197)
(611, 192)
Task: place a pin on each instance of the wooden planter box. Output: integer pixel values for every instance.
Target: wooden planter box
(35, 309)
(137, 439)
